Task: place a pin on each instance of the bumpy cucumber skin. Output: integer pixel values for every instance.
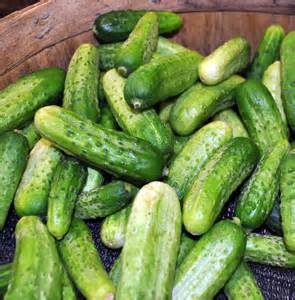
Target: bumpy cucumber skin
(260, 114)
(115, 26)
(107, 54)
(68, 290)
(5, 275)
(198, 149)
(269, 250)
(67, 183)
(228, 59)
(259, 193)
(196, 105)
(83, 263)
(242, 285)
(31, 134)
(104, 200)
(222, 174)
(288, 77)
(107, 149)
(231, 118)
(32, 193)
(37, 271)
(274, 220)
(161, 79)
(107, 119)
(94, 180)
(20, 100)
(268, 51)
(168, 47)
(210, 263)
(152, 243)
(179, 143)
(13, 158)
(186, 245)
(145, 125)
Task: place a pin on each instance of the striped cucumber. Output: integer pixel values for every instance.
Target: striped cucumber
(32, 193)
(13, 159)
(107, 149)
(210, 263)
(222, 174)
(83, 263)
(31, 134)
(196, 105)
(152, 243)
(228, 59)
(107, 119)
(274, 220)
(5, 275)
(186, 245)
(94, 180)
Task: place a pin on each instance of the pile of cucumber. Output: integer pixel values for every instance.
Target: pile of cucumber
(156, 139)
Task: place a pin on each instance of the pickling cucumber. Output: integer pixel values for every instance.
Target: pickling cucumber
(5, 275)
(20, 100)
(151, 245)
(107, 54)
(31, 134)
(115, 272)
(107, 119)
(164, 112)
(94, 180)
(222, 174)
(13, 159)
(168, 47)
(196, 105)
(210, 263)
(179, 143)
(32, 193)
(107, 149)
(274, 221)
(228, 59)
(100, 91)
(68, 290)
(186, 245)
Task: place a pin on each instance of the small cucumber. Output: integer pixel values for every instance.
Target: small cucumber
(107, 119)
(32, 194)
(268, 51)
(94, 180)
(274, 221)
(107, 54)
(222, 174)
(83, 263)
(152, 243)
(5, 275)
(31, 134)
(210, 263)
(104, 200)
(186, 245)
(13, 159)
(228, 59)
(196, 105)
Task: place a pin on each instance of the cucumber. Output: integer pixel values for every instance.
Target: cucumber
(107, 54)
(186, 245)
(222, 174)
(83, 263)
(13, 158)
(67, 183)
(162, 78)
(32, 193)
(100, 91)
(179, 143)
(210, 263)
(273, 221)
(116, 25)
(242, 285)
(145, 125)
(94, 180)
(231, 118)
(107, 120)
(167, 47)
(107, 149)
(199, 148)
(5, 275)
(260, 114)
(104, 200)
(68, 290)
(151, 245)
(228, 59)
(37, 271)
(165, 110)
(268, 51)
(288, 77)
(196, 105)
(269, 250)
(31, 134)
(115, 272)
(20, 100)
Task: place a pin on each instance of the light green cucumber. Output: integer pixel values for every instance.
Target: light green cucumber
(179, 143)
(115, 272)
(167, 47)
(107, 119)
(165, 110)
(186, 245)
(94, 180)
(68, 290)
(31, 134)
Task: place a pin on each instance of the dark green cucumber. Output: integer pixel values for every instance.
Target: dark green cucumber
(210, 263)
(259, 193)
(140, 45)
(67, 183)
(269, 250)
(186, 245)
(107, 119)
(5, 275)
(268, 51)
(37, 271)
(151, 245)
(196, 152)
(228, 59)
(274, 221)
(222, 174)
(115, 272)
(242, 285)
(116, 25)
(13, 159)
(179, 143)
(68, 290)
(145, 125)
(104, 200)
(100, 91)
(288, 77)
(20, 100)
(83, 263)
(32, 193)
(113, 151)
(162, 78)
(196, 105)
(94, 180)
(31, 134)
(260, 114)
